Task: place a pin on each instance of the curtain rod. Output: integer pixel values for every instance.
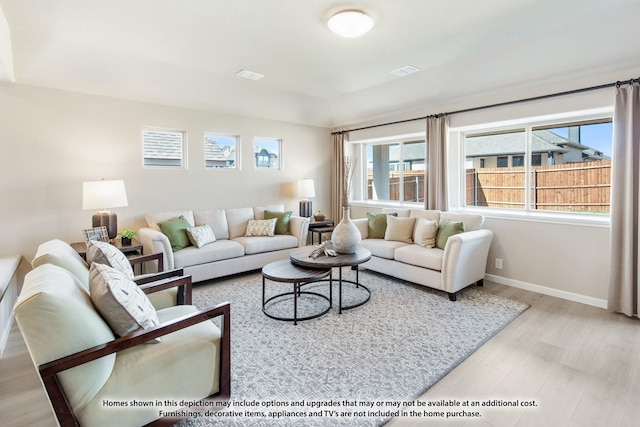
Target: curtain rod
(500, 104)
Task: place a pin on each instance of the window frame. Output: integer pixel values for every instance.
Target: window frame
(399, 140)
(556, 217)
(280, 158)
(238, 165)
(184, 144)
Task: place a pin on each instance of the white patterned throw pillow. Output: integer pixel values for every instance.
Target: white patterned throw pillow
(261, 227)
(106, 253)
(122, 304)
(201, 235)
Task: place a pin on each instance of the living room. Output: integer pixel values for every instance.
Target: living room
(65, 121)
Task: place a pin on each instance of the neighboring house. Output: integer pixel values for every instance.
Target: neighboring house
(547, 148)
(265, 158)
(214, 156)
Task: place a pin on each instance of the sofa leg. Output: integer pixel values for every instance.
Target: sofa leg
(452, 296)
(480, 282)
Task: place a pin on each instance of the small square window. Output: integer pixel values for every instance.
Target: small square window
(267, 153)
(163, 148)
(503, 161)
(221, 151)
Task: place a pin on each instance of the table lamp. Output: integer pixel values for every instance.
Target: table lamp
(104, 195)
(306, 190)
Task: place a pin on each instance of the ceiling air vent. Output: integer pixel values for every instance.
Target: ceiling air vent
(405, 71)
(249, 75)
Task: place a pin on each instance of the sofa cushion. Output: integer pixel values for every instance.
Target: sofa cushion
(399, 229)
(122, 304)
(176, 231)
(56, 319)
(261, 227)
(60, 253)
(382, 248)
(471, 222)
(237, 219)
(446, 229)
(425, 232)
(216, 251)
(200, 235)
(216, 219)
(433, 215)
(256, 245)
(154, 218)
(282, 225)
(377, 224)
(400, 213)
(258, 211)
(106, 253)
(430, 258)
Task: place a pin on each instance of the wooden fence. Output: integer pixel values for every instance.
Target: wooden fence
(575, 187)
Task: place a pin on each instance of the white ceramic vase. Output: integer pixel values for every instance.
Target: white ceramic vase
(346, 236)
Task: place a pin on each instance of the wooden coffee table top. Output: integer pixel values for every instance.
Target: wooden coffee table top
(285, 271)
(301, 257)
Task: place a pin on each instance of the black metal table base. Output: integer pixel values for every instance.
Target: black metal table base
(297, 292)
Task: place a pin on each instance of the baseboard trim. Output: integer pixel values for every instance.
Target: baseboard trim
(582, 299)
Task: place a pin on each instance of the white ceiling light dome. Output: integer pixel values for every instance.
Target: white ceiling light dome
(350, 23)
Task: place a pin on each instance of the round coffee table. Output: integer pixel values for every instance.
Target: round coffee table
(286, 272)
(301, 257)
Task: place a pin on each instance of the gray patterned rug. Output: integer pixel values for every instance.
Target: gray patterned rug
(391, 349)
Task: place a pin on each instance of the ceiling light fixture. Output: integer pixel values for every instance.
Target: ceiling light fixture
(350, 23)
(251, 75)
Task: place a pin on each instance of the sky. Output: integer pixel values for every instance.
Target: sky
(596, 136)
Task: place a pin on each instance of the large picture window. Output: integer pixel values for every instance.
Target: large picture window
(562, 167)
(395, 171)
(163, 148)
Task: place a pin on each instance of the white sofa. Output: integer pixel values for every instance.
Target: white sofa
(231, 252)
(461, 263)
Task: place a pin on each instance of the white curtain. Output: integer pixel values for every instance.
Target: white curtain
(625, 202)
(337, 176)
(436, 165)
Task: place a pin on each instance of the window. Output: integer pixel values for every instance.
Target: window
(221, 151)
(267, 153)
(561, 167)
(163, 148)
(395, 171)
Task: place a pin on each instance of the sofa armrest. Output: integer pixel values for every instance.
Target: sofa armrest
(363, 227)
(154, 242)
(49, 371)
(465, 259)
(299, 227)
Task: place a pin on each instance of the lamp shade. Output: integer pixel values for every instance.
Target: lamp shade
(306, 188)
(103, 194)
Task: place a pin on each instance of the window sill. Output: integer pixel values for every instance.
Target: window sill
(588, 220)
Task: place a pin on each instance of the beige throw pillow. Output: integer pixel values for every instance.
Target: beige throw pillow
(261, 227)
(120, 302)
(399, 229)
(106, 253)
(426, 231)
(201, 235)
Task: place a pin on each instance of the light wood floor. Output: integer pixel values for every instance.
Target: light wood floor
(580, 364)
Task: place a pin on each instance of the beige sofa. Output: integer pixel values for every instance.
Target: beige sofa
(231, 252)
(462, 261)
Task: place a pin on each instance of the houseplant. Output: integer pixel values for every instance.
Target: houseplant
(126, 235)
(346, 236)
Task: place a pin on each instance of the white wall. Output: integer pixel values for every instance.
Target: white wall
(51, 141)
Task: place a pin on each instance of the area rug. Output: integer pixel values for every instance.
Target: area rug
(354, 368)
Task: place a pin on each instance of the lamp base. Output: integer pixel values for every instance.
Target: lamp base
(109, 220)
(305, 208)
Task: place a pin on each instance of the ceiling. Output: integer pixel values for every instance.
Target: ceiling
(187, 53)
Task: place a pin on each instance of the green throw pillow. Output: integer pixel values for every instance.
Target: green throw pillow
(176, 230)
(282, 225)
(447, 229)
(378, 224)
